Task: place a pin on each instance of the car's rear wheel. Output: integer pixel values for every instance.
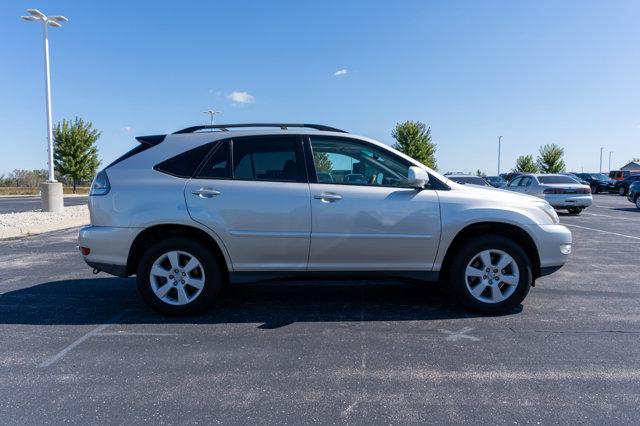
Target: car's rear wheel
(622, 191)
(575, 210)
(178, 277)
(490, 274)
(638, 201)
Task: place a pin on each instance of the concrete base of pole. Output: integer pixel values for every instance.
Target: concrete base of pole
(52, 199)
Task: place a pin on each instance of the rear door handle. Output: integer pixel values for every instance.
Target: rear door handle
(206, 192)
(329, 197)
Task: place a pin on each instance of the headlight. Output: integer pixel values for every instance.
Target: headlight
(550, 211)
(100, 185)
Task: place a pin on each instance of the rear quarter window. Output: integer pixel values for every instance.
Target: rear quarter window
(185, 165)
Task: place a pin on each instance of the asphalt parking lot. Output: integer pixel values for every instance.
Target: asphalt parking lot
(28, 203)
(80, 348)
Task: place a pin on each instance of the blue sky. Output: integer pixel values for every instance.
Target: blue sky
(534, 72)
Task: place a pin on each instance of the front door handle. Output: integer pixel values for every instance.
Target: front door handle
(206, 192)
(328, 197)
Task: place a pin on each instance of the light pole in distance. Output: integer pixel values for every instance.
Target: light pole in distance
(211, 114)
(499, 149)
(51, 190)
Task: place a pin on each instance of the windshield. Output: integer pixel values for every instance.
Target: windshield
(473, 180)
(495, 179)
(556, 179)
(599, 176)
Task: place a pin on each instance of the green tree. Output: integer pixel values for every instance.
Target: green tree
(75, 154)
(414, 139)
(481, 173)
(550, 159)
(525, 164)
(322, 162)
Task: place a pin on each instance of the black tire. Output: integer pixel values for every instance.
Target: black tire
(622, 191)
(575, 210)
(457, 276)
(212, 277)
(594, 189)
(637, 201)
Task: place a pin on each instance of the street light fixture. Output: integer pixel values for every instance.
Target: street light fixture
(52, 201)
(211, 114)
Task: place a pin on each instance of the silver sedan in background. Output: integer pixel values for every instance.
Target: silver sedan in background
(561, 191)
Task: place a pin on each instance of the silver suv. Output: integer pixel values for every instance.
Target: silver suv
(189, 212)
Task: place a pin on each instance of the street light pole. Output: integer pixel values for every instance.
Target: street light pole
(601, 149)
(610, 152)
(499, 149)
(52, 193)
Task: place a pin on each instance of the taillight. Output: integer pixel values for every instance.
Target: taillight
(553, 191)
(100, 185)
(567, 191)
(85, 251)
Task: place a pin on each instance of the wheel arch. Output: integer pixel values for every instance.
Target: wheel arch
(513, 232)
(153, 234)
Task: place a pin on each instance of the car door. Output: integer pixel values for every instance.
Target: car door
(514, 185)
(253, 192)
(525, 185)
(364, 215)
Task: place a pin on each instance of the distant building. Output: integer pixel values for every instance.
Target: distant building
(631, 166)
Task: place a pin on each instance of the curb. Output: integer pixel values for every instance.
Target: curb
(40, 229)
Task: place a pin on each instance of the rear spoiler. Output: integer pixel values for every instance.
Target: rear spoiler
(151, 140)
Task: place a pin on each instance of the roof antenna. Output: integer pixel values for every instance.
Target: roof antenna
(211, 114)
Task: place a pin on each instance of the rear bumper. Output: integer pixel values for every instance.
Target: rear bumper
(567, 201)
(109, 247)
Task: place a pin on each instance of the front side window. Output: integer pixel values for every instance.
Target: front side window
(269, 158)
(347, 162)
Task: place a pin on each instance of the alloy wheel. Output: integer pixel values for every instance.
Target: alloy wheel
(492, 276)
(177, 277)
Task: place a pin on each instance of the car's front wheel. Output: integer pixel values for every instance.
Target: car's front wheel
(638, 201)
(622, 191)
(178, 277)
(595, 189)
(490, 274)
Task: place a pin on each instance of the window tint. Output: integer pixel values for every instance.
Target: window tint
(219, 164)
(525, 181)
(349, 162)
(556, 179)
(272, 158)
(185, 164)
(515, 182)
(473, 180)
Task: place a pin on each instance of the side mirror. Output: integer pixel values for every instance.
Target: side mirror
(417, 177)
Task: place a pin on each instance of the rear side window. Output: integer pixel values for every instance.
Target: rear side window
(268, 158)
(218, 166)
(184, 165)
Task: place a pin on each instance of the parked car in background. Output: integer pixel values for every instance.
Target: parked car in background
(619, 174)
(468, 179)
(598, 182)
(622, 186)
(496, 181)
(562, 192)
(633, 194)
(577, 178)
(509, 176)
(209, 205)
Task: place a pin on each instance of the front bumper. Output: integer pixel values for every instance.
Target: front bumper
(109, 247)
(549, 240)
(567, 200)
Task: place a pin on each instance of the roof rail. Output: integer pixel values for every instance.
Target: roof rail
(283, 126)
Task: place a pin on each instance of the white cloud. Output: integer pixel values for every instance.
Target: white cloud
(126, 129)
(241, 98)
(343, 71)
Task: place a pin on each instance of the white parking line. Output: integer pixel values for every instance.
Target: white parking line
(604, 232)
(57, 357)
(628, 219)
